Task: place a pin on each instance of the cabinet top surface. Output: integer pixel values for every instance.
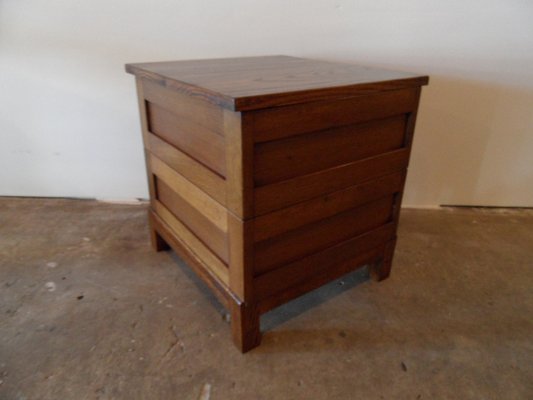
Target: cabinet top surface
(269, 81)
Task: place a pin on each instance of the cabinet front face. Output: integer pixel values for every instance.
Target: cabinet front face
(328, 178)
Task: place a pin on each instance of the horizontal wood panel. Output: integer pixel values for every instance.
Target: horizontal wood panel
(321, 278)
(320, 235)
(299, 155)
(206, 231)
(193, 243)
(306, 268)
(218, 286)
(199, 143)
(285, 193)
(190, 108)
(277, 222)
(280, 122)
(210, 182)
(211, 209)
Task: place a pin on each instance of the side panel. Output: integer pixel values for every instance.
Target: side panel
(328, 182)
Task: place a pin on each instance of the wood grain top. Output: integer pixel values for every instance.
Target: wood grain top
(269, 81)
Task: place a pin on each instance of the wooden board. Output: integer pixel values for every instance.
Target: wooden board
(280, 279)
(300, 214)
(317, 236)
(303, 154)
(202, 145)
(211, 235)
(211, 183)
(259, 82)
(277, 123)
(291, 191)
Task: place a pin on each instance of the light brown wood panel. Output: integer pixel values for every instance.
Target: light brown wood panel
(211, 183)
(277, 222)
(189, 108)
(290, 246)
(285, 193)
(219, 288)
(201, 144)
(206, 231)
(193, 243)
(304, 269)
(213, 211)
(299, 155)
(280, 122)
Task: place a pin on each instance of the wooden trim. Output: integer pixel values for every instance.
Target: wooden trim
(205, 179)
(139, 83)
(192, 218)
(240, 237)
(280, 279)
(239, 165)
(193, 243)
(218, 287)
(244, 103)
(239, 201)
(214, 211)
(283, 194)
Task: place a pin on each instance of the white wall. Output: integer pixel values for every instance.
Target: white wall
(68, 114)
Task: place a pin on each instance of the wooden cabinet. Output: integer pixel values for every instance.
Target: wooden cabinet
(271, 176)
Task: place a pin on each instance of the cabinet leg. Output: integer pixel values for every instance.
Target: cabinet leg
(380, 270)
(245, 326)
(158, 243)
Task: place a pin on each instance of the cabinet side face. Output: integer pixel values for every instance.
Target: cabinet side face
(185, 155)
(328, 180)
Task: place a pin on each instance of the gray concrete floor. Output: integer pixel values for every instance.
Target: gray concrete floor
(88, 311)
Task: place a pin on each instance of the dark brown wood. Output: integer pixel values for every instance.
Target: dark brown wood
(291, 191)
(380, 269)
(320, 235)
(271, 176)
(245, 327)
(304, 154)
(321, 278)
(260, 82)
(281, 122)
(306, 212)
(275, 281)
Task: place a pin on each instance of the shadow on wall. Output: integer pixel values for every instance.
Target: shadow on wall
(472, 146)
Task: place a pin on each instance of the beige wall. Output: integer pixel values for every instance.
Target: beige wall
(68, 118)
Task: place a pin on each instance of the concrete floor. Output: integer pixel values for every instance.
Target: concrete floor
(88, 311)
